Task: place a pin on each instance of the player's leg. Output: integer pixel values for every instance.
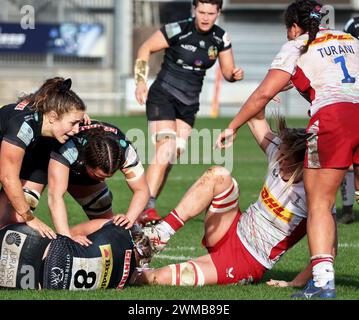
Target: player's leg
(216, 190)
(163, 136)
(347, 190)
(96, 199)
(321, 229)
(197, 272)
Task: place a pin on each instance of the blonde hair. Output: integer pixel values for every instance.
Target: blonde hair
(295, 139)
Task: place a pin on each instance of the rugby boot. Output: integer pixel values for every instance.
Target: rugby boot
(148, 216)
(310, 291)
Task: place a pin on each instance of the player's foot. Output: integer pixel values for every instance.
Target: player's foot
(310, 291)
(346, 218)
(148, 216)
(158, 237)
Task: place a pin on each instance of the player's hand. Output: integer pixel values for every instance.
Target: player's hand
(278, 283)
(83, 240)
(42, 228)
(225, 139)
(123, 221)
(141, 93)
(237, 74)
(86, 120)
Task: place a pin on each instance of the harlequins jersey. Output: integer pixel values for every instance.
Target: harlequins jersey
(269, 227)
(189, 55)
(328, 73)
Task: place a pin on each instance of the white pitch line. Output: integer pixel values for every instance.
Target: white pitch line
(348, 245)
(185, 258)
(119, 178)
(181, 248)
(177, 258)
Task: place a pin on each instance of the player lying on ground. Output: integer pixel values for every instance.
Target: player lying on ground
(30, 261)
(241, 246)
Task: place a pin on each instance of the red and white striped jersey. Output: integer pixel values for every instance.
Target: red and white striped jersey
(328, 73)
(277, 221)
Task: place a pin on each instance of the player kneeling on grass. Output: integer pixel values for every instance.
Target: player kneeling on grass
(241, 246)
(29, 261)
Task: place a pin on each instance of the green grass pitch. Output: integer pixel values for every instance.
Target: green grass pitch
(249, 169)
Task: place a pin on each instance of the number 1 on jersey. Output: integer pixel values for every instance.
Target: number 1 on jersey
(347, 77)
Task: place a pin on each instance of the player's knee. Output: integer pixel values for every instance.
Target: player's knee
(98, 203)
(181, 145)
(165, 142)
(226, 200)
(187, 274)
(32, 198)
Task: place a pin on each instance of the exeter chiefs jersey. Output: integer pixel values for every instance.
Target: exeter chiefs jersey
(71, 153)
(107, 263)
(269, 227)
(19, 125)
(189, 55)
(352, 27)
(328, 73)
(21, 252)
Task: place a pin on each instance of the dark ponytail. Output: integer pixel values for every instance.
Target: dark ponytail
(307, 14)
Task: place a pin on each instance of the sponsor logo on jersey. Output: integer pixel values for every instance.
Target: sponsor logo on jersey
(69, 152)
(330, 36)
(189, 47)
(275, 207)
(218, 39)
(107, 265)
(198, 63)
(25, 134)
(202, 44)
(172, 29)
(185, 35)
(11, 247)
(22, 105)
(57, 276)
(126, 269)
(212, 52)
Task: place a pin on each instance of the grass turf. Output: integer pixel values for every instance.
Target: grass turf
(249, 169)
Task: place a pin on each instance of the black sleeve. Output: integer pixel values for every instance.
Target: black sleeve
(66, 154)
(19, 133)
(172, 31)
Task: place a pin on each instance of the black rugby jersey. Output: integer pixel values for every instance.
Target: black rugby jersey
(21, 252)
(189, 55)
(352, 27)
(107, 263)
(71, 153)
(19, 125)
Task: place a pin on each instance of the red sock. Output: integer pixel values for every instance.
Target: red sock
(321, 258)
(173, 220)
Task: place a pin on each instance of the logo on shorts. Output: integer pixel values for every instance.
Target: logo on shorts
(229, 273)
